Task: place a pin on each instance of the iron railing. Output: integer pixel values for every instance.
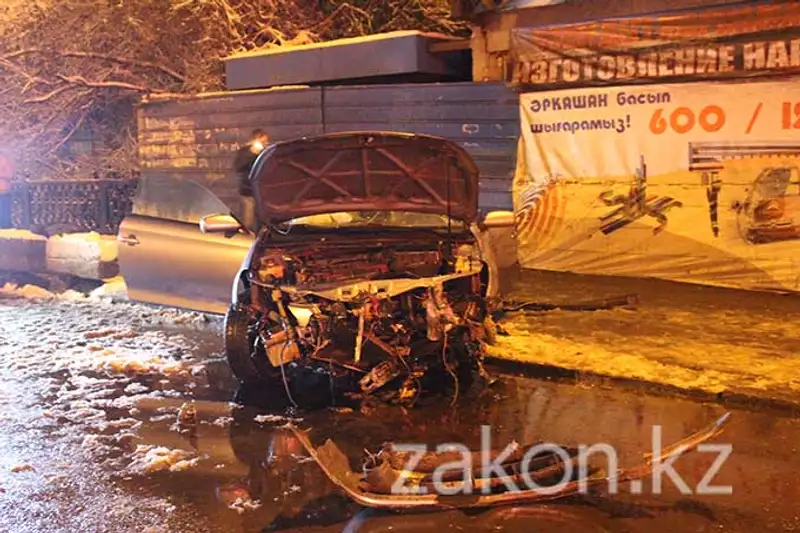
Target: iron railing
(72, 206)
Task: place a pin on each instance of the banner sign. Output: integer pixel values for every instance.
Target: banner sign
(719, 43)
(695, 182)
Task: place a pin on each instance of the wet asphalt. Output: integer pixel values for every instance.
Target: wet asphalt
(53, 480)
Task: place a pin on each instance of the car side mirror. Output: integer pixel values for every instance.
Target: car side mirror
(498, 219)
(220, 223)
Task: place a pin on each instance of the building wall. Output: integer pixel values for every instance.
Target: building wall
(195, 138)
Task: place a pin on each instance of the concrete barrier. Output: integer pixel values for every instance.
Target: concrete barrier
(21, 250)
(83, 255)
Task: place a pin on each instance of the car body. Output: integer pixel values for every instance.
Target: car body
(370, 244)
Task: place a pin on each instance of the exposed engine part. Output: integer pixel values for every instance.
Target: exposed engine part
(380, 375)
(280, 347)
(438, 314)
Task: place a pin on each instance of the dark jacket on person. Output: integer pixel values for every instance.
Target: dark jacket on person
(243, 164)
(5, 203)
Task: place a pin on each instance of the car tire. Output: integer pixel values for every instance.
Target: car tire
(238, 349)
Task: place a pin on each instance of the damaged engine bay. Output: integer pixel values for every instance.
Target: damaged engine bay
(345, 316)
(332, 319)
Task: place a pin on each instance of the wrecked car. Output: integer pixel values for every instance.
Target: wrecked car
(370, 273)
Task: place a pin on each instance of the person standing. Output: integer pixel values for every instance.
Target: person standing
(5, 193)
(245, 158)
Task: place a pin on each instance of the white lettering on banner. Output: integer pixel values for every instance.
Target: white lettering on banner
(679, 61)
(619, 125)
(643, 98)
(669, 180)
(569, 103)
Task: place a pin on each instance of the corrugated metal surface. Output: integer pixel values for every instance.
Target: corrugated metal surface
(197, 137)
(482, 117)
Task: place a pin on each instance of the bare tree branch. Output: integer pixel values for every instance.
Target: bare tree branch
(80, 80)
(70, 67)
(114, 59)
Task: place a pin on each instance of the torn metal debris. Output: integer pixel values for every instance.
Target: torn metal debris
(460, 488)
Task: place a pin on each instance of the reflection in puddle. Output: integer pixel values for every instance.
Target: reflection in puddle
(257, 473)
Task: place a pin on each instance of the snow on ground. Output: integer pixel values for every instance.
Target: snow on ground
(80, 378)
(102, 359)
(685, 336)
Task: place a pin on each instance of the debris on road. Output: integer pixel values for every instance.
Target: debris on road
(511, 306)
(373, 487)
(187, 417)
(22, 468)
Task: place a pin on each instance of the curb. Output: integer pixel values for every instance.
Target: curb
(737, 399)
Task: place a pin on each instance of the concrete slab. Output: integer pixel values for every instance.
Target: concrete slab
(85, 255)
(21, 250)
(373, 56)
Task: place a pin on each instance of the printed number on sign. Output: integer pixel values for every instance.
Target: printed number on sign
(791, 116)
(683, 120)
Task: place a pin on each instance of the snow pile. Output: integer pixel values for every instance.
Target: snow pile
(104, 361)
(27, 292)
(123, 352)
(244, 504)
(34, 292)
(565, 353)
(223, 421)
(176, 316)
(132, 361)
(91, 245)
(275, 419)
(148, 458)
(113, 289)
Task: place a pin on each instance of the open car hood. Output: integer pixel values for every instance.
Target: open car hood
(365, 171)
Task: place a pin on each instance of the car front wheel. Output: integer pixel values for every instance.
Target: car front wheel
(239, 348)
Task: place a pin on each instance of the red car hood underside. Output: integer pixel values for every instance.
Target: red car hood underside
(365, 171)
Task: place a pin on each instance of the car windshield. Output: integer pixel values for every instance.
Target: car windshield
(399, 219)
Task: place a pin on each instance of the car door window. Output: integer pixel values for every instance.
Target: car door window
(177, 199)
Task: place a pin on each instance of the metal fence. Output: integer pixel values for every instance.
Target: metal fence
(196, 137)
(72, 206)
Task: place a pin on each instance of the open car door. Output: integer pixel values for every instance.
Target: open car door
(165, 258)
